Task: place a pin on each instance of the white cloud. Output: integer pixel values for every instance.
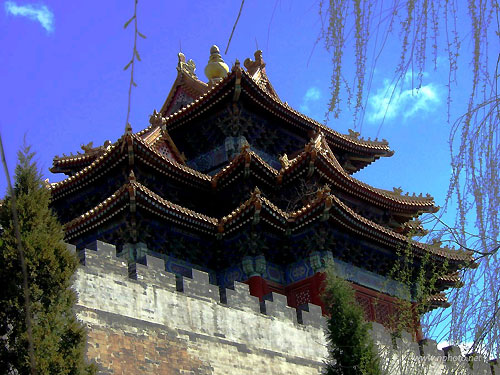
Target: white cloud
(405, 103)
(38, 13)
(312, 94)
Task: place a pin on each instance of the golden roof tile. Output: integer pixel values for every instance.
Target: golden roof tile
(452, 277)
(101, 208)
(257, 70)
(89, 155)
(246, 155)
(173, 163)
(438, 300)
(173, 206)
(328, 156)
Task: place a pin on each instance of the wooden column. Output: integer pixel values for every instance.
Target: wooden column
(316, 288)
(258, 286)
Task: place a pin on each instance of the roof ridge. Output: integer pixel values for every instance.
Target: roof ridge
(398, 198)
(96, 208)
(144, 189)
(422, 246)
(172, 205)
(215, 87)
(330, 131)
(56, 185)
(185, 70)
(397, 192)
(89, 154)
(183, 167)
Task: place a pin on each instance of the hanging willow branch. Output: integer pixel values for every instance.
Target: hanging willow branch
(234, 26)
(425, 29)
(135, 55)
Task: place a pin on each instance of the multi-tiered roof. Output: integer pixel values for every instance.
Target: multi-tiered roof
(227, 170)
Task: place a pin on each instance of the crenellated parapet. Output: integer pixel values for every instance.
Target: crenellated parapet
(151, 271)
(275, 304)
(141, 317)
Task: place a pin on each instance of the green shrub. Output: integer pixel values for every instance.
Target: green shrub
(350, 347)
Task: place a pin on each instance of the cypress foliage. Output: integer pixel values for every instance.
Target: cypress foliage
(58, 338)
(350, 347)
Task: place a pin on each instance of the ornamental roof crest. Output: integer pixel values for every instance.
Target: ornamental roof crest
(253, 66)
(188, 67)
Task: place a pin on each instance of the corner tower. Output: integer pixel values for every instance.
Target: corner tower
(229, 179)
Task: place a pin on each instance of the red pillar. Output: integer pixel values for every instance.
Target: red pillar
(258, 287)
(316, 289)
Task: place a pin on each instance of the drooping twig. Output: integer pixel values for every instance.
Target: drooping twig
(135, 54)
(234, 27)
(269, 26)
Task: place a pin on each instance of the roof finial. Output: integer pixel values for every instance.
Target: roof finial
(256, 191)
(236, 65)
(128, 128)
(131, 175)
(156, 118)
(285, 162)
(216, 69)
(253, 66)
(188, 67)
(353, 134)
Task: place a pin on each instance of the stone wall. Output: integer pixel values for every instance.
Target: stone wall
(144, 320)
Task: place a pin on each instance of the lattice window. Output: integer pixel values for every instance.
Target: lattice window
(366, 304)
(382, 312)
(164, 150)
(302, 296)
(180, 101)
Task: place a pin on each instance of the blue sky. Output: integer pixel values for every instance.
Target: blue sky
(64, 84)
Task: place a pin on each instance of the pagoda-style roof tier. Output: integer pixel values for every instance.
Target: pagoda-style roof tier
(129, 146)
(316, 156)
(134, 199)
(239, 88)
(437, 300)
(70, 164)
(450, 280)
(325, 207)
(156, 139)
(134, 194)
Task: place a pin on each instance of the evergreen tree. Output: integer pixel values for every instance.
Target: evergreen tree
(350, 347)
(58, 338)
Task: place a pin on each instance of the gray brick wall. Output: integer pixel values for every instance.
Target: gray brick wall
(141, 319)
